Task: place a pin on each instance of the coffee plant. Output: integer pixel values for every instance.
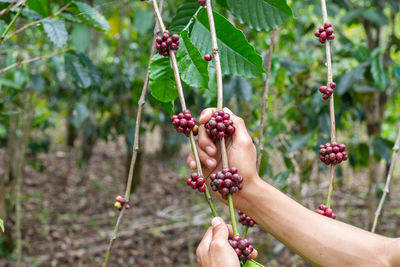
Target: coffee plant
(83, 73)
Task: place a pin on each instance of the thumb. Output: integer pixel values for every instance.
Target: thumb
(220, 229)
(241, 133)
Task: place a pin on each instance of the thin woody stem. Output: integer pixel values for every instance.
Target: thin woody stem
(331, 102)
(265, 102)
(4, 34)
(183, 106)
(141, 102)
(34, 23)
(220, 104)
(378, 211)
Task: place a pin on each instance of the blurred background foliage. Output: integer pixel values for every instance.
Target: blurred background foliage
(93, 61)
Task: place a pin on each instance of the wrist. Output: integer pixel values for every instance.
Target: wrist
(246, 200)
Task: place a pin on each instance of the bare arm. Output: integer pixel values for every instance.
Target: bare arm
(320, 240)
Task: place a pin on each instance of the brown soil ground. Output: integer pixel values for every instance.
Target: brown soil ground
(67, 224)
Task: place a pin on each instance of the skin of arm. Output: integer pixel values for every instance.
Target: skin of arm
(320, 240)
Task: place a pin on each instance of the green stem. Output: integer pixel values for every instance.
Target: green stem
(245, 229)
(200, 171)
(232, 214)
(3, 35)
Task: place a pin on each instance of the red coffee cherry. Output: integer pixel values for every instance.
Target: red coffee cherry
(165, 43)
(246, 220)
(226, 181)
(202, 2)
(184, 123)
(220, 125)
(207, 57)
(326, 211)
(242, 247)
(333, 153)
(197, 182)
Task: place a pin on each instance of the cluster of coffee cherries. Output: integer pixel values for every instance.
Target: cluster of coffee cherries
(219, 126)
(242, 247)
(246, 220)
(226, 181)
(325, 32)
(327, 91)
(332, 153)
(184, 123)
(197, 182)
(207, 57)
(165, 43)
(120, 202)
(202, 2)
(326, 211)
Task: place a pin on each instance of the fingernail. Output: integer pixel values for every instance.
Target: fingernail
(210, 162)
(216, 221)
(192, 164)
(209, 149)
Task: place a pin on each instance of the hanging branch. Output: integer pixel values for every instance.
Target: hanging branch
(396, 149)
(38, 21)
(13, 4)
(3, 35)
(331, 103)
(141, 102)
(220, 99)
(27, 61)
(183, 106)
(265, 101)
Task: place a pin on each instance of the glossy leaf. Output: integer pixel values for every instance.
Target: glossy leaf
(183, 15)
(89, 15)
(379, 74)
(381, 149)
(299, 142)
(82, 70)
(80, 37)
(238, 57)
(261, 14)
(161, 79)
(55, 30)
(253, 263)
(192, 66)
(40, 6)
(144, 20)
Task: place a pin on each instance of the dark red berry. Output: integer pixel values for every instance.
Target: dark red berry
(327, 25)
(321, 29)
(185, 123)
(331, 37)
(333, 85)
(225, 182)
(333, 153)
(326, 211)
(175, 38)
(329, 30)
(242, 247)
(197, 182)
(207, 57)
(246, 220)
(219, 126)
(316, 33)
(202, 2)
(127, 206)
(322, 41)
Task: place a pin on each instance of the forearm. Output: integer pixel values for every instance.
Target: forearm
(320, 240)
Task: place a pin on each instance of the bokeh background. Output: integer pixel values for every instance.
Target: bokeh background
(67, 124)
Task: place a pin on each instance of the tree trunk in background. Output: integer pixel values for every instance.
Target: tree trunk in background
(71, 130)
(374, 104)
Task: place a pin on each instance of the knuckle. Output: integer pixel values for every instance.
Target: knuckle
(217, 244)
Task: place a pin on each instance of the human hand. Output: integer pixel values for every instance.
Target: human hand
(214, 249)
(240, 149)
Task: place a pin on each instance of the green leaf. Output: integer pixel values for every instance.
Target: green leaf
(144, 20)
(55, 30)
(237, 56)
(79, 114)
(192, 66)
(2, 225)
(89, 15)
(381, 149)
(161, 79)
(183, 15)
(40, 6)
(281, 178)
(261, 14)
(379, 74)
(2, 25)
(83, 72)
(298, 142)
(253, 263)
(347, 80)
(80, 37)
